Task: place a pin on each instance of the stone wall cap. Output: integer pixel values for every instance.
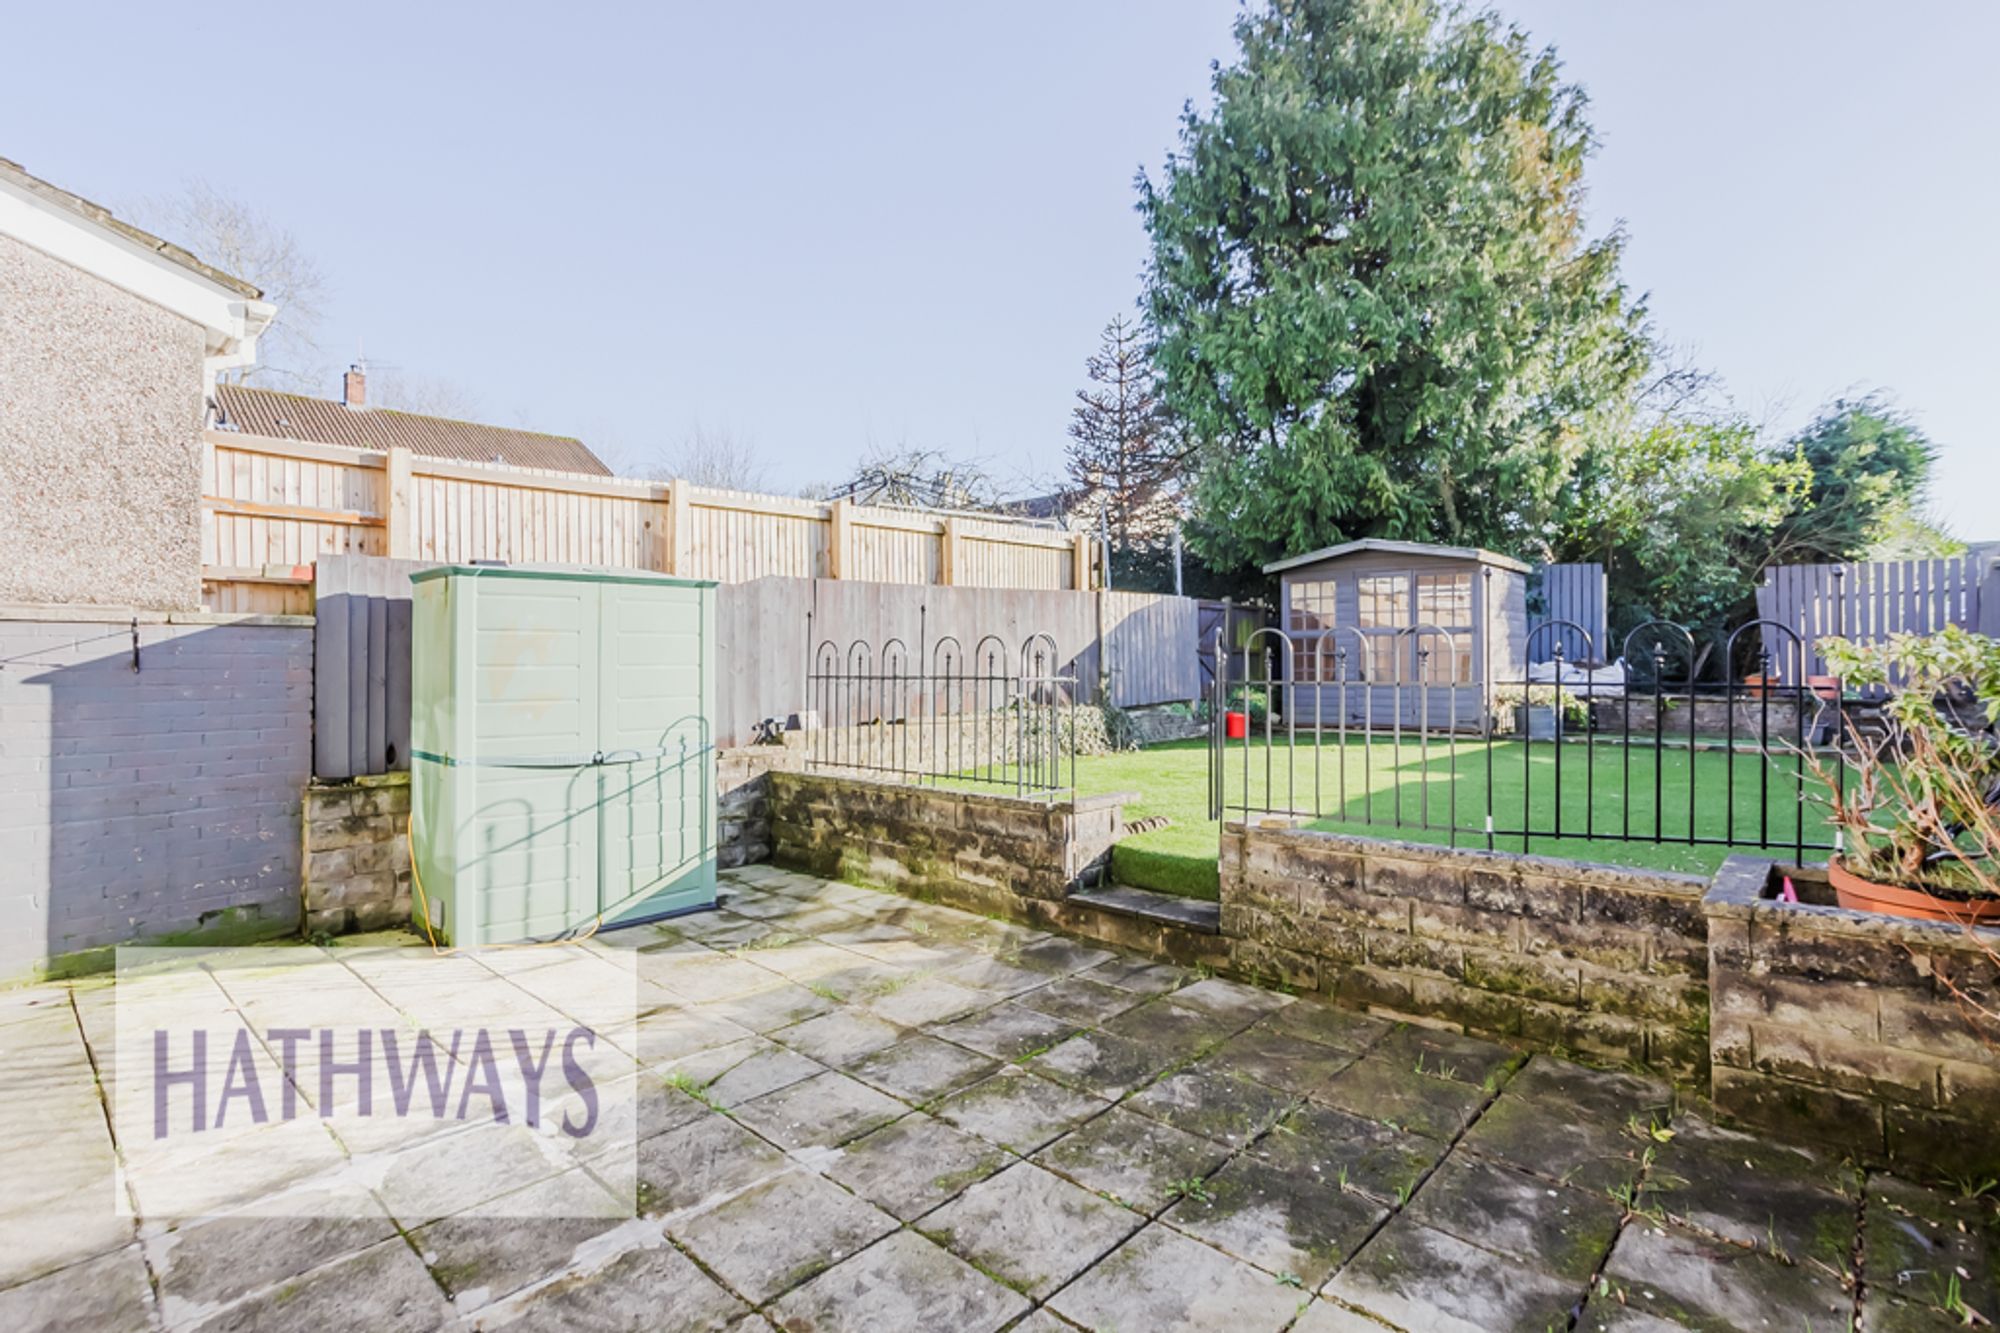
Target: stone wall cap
(400, 778)
(75, 613)
(1554, 866)
(1738, 891)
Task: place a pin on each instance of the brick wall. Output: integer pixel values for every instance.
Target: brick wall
(1603, 962)
(160, 804)
(357, 854)
(1843, 1028)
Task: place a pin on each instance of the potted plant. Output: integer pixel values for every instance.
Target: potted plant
(1918, 808)
(1534, 708)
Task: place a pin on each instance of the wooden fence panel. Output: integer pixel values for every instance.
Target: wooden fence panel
(1573, 592)
(272, 506)
(361, 665)
(1869, 602)
(1151, 648)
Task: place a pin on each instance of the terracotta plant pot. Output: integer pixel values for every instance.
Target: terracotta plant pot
(1860, 895)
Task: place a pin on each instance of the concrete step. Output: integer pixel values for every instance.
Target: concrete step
(1123, 899)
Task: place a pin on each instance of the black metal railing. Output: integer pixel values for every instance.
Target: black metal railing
(993, 717)
(1419, 727)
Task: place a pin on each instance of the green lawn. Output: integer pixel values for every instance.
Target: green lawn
(1417, 785)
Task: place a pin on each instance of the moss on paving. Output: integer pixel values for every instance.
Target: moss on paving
(1172, 780)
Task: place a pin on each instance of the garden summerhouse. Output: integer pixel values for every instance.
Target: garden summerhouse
(1400, 634)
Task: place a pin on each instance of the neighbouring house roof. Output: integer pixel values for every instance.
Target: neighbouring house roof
(1398, 548)
(86, 236)
(295, 416)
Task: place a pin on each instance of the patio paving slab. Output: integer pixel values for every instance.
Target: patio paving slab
(1063, 956)
(905, 1282)
(1341, 1150)
(920, 1068)
(1448, 1055)
(1316, 1020)
(108, 1294)
(1686, 1281)
(1080, 1000)
(1229, 999)
(1588, 1154)
(201, 1266)
(741, 1071)
(926, 1000)
(1916, 1241)
(1742, 1189)
(1398, 1095)
(1417, 1278)
(1563, 1231)
(1138, 975)
(652, 1285)
(1597, 1093)
(1018, 1110)
(478, 1260)
(1163, 1282)
(839, 1038)
(1279, 1220)
(1007, 1031)
(783, 1232)
(914, 1165)
(1104, 1065)
(1136, 1161)
(1029, 1228)
(1182, 1027)
(384, 1287)
(823, 1111)
(1278, 1059)
(708, 1159)
(1230, 1111)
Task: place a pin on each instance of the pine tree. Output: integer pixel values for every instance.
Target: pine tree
(1124, 459)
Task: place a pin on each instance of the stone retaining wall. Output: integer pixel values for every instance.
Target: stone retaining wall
(1843, 1027)
(1604, 962)
(984, 851)
(357, 854)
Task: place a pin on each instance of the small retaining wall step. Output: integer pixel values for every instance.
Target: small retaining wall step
(1188, 913)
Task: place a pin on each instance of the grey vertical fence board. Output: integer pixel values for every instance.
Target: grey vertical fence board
(362, 647)
(1871, 601)
(1574, 592)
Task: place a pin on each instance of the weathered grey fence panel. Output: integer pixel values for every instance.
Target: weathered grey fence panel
(361, 665)
(1870, 601)
(1150, 646)
(1574, 592)
(362, 647)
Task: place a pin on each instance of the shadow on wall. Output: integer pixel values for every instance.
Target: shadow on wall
(157, 805)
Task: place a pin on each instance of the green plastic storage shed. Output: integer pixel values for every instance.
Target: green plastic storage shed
(562, 768)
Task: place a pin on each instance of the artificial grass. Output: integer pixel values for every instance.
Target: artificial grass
(1391, 791)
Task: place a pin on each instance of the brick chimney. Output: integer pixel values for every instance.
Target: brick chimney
(354, 387)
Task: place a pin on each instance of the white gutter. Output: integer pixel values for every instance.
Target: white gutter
(230, 321)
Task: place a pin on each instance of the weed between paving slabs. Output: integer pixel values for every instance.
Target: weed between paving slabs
(847, 1110)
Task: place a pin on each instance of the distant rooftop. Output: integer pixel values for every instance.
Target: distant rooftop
(296, 416)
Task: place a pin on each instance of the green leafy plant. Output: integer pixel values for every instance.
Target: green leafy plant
(1916, 803)
(1508, 698)
(1193, 1187)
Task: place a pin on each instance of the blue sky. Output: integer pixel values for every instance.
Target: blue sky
(826, 226)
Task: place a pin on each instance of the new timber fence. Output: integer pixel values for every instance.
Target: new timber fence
(270, 508)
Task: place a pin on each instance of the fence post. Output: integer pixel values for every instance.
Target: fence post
(1080, 561)
(398, 483)
(679, 536)
(839, 516)
(948, 554)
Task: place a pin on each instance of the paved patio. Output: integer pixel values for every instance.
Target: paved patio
(865, 1113)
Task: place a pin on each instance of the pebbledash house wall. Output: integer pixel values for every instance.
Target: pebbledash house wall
(1839, 1028)
(156, 805)
(100, 441)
